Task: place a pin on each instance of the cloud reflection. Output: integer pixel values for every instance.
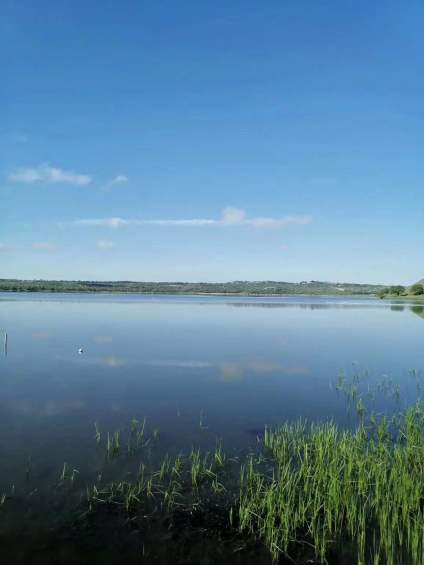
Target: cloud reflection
(237, 371)
(114, 362)
(48, 409)
(189, 364)
(226, 370)
(231, 372)
(41, 336)
(100, 339)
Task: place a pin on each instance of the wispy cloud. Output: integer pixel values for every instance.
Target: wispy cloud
(117, 222)
(104, 244)
(108, 222)
(43, 246)
(118, 179)
(48, 174)
(229, 217)
(280, 222)
(4, 247)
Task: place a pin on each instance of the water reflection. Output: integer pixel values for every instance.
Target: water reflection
(114, 362)
(49, 408)
(418, 310)
(188, 364)
(245, 362)
(308, 306)
(228, 369)
(231, 372)
(41, 336)
(101, 339)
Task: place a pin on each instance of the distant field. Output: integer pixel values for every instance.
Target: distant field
(256, 288)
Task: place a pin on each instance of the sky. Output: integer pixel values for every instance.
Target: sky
(212, 141)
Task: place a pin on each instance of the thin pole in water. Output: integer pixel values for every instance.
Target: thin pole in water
(4, 342)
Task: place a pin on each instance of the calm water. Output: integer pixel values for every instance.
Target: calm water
(234, 363)
(196, 368)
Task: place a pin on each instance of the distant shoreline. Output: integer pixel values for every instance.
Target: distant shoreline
(249, 295)
(416, 298)
(232, 288)
(388, 299)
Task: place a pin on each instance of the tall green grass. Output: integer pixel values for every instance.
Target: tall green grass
(324, 487)
(313, 488)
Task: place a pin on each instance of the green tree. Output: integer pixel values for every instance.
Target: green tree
(397, 290)
(417, 289)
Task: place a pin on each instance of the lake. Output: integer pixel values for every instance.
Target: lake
(196, 368)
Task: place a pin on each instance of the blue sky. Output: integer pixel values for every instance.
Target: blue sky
(212, 140)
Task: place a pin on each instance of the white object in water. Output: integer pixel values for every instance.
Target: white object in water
(80, 350)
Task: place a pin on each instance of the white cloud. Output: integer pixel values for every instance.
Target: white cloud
(106, 222)
(188, 222)
(104, 244)
(117, 222)
(279, 222)
(118, 179)
(229, 217)
(45, 173)
(43, 245)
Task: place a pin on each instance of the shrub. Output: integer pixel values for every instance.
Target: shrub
(417, 289)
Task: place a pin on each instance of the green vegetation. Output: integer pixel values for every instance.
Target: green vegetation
(416, 290)
(327, 486)
(305, 493)
(243, 288)
(397, 290)
(306, 486)
(308, 492)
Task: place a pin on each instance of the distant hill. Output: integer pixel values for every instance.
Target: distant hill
(243, 288)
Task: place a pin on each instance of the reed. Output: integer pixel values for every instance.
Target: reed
(196, 466)
(323, 486)
(97, 434)
(113, 444)
(219, 455)
(304, 485)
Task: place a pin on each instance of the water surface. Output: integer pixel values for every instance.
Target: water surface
(196, 367)
(236, 363)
